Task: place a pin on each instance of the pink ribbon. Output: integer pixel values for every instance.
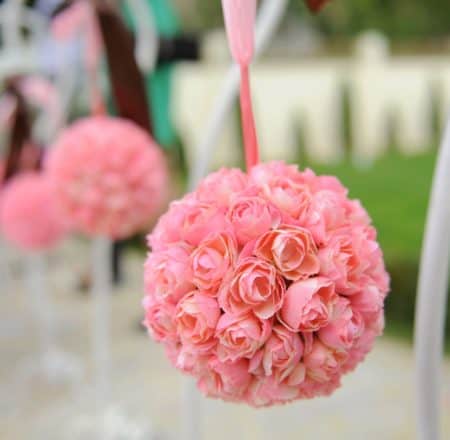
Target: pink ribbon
(239, 18)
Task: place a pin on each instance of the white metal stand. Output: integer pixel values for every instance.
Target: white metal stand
(55, 365)
(432, 298)
(101, 418)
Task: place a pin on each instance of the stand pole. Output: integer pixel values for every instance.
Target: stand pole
(101, 292)
(431, 300)
(41, 306)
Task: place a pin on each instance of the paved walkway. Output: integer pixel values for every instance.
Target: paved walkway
(375, 402)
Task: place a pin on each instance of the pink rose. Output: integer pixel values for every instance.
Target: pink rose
(189, 361)
(336, 259)
(356, 213)
(159, 320)
(241, 336)
(326, 213)
(310, 388)
(322, 363)
(212, 260)
(167, 273)
(377, 323)
(320, 183)
(280, 355)
(368, 302)
(265, 391)
(228, 380)
(255, 286)
(220, 187)
(263, 173)
(188, 220)
(291, 249)
(344, 329)
(196, 319)
(282, 185)
(308, 305)
(251, 217)
(201, 220)
(349, 257)
(379, 276)
(363, 346)
(169, 226)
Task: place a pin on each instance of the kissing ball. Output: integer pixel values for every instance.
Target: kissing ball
(29, 216)
(111, 177)
(266, 287)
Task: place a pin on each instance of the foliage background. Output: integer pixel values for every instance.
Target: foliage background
(398, 19)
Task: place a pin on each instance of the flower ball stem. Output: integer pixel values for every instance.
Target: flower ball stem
(101, 291)
(431, 300)
(248, 121)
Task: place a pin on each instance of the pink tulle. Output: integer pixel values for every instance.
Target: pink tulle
(111, 177)
(29, 217)
(268, 286)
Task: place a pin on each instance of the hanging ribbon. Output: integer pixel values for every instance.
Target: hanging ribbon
(127, 84)
(20, 133)
(239, 22)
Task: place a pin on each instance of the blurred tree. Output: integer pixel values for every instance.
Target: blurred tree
(397, 19)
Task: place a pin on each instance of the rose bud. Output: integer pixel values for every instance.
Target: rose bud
(255, 286)
(196, 318)
(241, 336)
(308, 305)
(291, 249)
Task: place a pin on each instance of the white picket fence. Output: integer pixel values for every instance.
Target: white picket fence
(308, 93)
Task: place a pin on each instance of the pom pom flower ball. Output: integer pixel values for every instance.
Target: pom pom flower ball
(111, 177)
(266, 287)
(29, 216)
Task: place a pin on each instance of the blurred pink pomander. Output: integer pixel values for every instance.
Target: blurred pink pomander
(267, 287)
(29, 217)
(111, 177)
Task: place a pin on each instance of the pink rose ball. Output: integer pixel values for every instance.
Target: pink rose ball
(266, 287)
(111, 177)
(29, 216)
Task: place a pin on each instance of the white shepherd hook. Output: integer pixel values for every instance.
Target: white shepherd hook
(432, 299)
(269, 17)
